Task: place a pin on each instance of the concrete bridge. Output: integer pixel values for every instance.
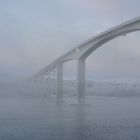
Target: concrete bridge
(81, 52)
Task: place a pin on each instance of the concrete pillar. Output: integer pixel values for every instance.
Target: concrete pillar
(81, 80)
(54, 82)
(59, 82)
(48, 82)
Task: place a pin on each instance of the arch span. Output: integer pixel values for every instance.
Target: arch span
(81, 52)
(85, 49)
(103, 41)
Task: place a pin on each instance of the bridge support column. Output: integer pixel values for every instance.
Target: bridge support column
(59, 82)
(81, 81)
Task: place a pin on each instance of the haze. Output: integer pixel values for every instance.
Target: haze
(34, 33)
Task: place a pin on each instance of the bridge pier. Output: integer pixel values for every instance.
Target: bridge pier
(81, 80)
(59, 82)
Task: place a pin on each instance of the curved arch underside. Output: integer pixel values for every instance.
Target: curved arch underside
(105, 40)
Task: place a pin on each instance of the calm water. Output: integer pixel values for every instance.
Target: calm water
(101, 119)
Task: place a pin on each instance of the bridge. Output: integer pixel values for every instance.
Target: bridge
(80, 53)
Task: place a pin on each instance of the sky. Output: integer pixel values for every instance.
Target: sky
(36, 32)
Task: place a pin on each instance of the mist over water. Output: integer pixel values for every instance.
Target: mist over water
(32, 116)
(33, 33)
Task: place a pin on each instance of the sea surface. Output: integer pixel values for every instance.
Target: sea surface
(101, 118)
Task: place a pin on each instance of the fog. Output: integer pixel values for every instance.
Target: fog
(33, 33)
(28, 110)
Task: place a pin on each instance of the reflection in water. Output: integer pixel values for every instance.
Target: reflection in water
(71, 124)
(68, 123)
(104, 119)
(80, 124)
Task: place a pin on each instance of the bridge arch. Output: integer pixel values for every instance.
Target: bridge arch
(81, 52)
(103, 41)
(114, 58)
(98, 42)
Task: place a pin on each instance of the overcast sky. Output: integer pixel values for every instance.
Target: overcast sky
(35, 32)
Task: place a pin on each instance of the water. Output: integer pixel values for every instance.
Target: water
(103, 118)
